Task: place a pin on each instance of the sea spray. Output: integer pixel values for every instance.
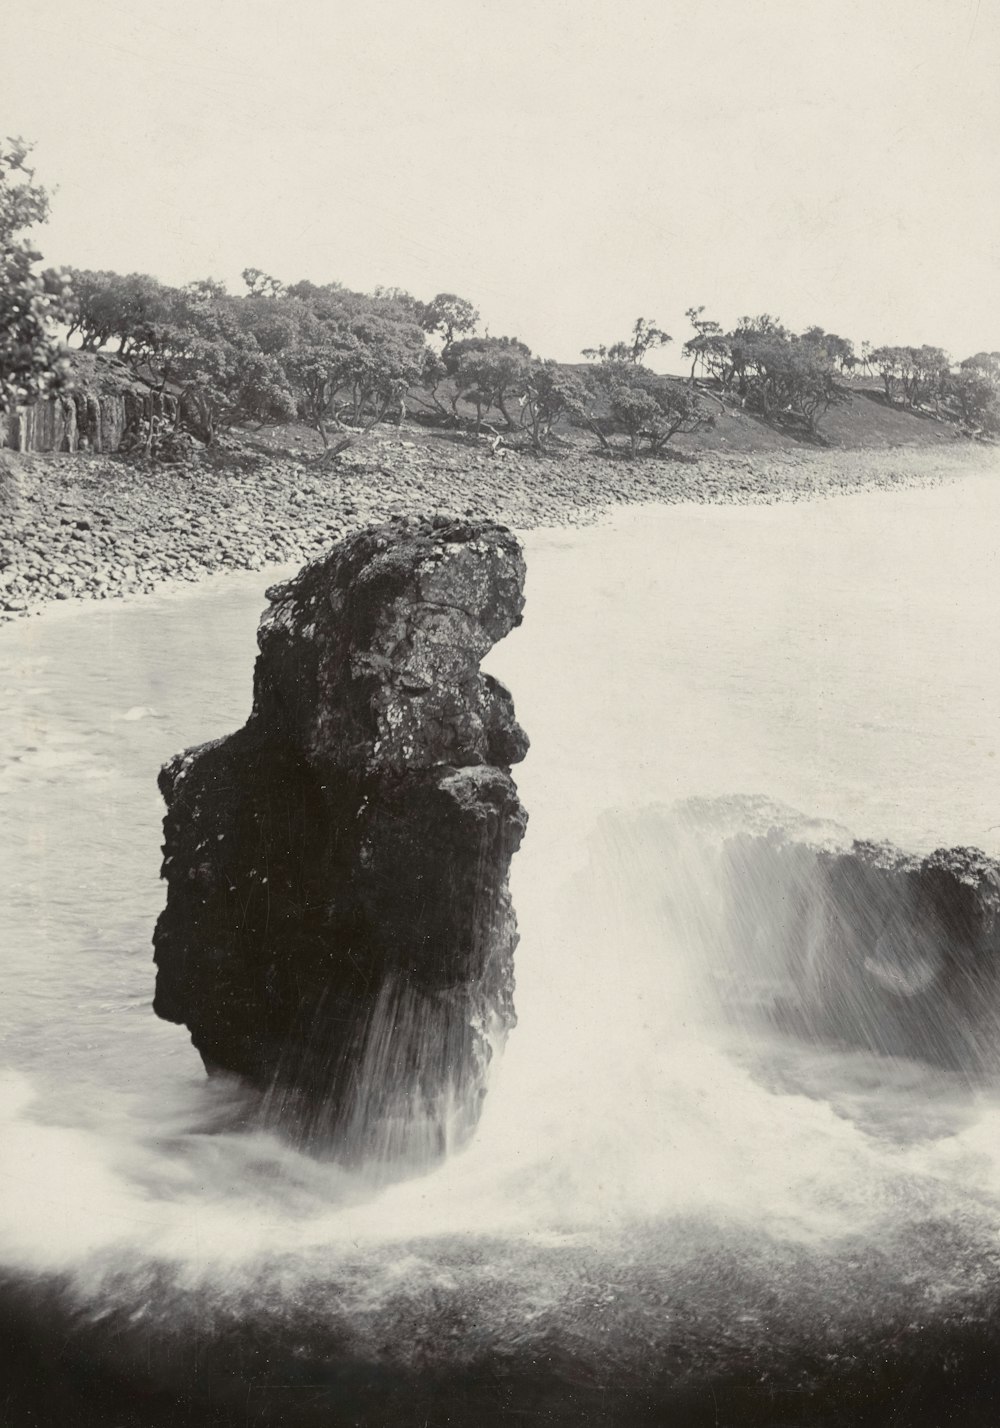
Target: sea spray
(660, 1190)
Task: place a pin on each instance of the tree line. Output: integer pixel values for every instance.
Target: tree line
(342, 360)
(798, 377)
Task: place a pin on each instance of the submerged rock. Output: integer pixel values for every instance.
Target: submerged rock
(338, 926)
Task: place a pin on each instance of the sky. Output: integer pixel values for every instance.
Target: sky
(569, 165)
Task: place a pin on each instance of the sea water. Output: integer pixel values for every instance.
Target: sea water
(642, 1163)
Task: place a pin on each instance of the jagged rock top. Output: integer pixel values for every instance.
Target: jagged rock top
(371, 653)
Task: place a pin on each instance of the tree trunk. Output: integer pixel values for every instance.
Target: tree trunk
(605, 443)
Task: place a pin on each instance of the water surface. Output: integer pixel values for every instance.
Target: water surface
(650, 1188)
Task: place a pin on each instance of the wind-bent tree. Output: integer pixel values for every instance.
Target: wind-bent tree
(646, 407)
(32, 361)
(103, 307)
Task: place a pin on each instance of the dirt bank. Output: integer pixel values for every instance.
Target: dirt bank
(100, 527)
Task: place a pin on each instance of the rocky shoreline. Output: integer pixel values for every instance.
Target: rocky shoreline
(99, 527)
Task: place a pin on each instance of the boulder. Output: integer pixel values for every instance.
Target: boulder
(338, 927)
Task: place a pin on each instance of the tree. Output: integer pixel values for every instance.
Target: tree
(745, 343)
(840, 350)
(489, 372)
(389, 360)
(321, 368)
(551, 392)
(931, 367)
(917, 374)
(974, 390)
(644, 337)
(887, 362)
(986, 362)
(361, 367)
(448, 315)
(787, 379)
(708, 348)
(276, 325)
(261, 284)
(193, 341)
(108, 307)
(93, 307)
(432, 375)
(647, 407)
(32, 361)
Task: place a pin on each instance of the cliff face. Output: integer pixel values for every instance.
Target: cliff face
(338, 926)
(79, 421)
(106, 407)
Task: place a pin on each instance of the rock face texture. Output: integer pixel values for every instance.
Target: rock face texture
(12, 508)
(870, 945)
(338, 926)
(79, 421)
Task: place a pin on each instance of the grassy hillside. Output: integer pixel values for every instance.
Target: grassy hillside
(861, 421)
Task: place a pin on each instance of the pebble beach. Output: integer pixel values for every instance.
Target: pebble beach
(93, 527)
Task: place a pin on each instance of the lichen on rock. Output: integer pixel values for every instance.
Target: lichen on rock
(338, 927)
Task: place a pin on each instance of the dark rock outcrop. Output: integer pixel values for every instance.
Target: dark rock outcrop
(107, 416)
(870, 945)
(338, 926)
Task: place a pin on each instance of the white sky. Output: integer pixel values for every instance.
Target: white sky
(566, 164)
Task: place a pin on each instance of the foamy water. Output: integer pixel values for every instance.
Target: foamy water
(836, 657)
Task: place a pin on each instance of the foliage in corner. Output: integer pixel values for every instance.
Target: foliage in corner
(32, 361)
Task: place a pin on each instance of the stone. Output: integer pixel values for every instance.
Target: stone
(338, 927)
(12, 497)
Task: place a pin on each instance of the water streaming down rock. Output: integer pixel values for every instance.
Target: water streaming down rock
(338, 927)
(839, 938)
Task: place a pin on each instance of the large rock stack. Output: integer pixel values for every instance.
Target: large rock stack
(338, 926)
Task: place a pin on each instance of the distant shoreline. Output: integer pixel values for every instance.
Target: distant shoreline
(98, 528)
